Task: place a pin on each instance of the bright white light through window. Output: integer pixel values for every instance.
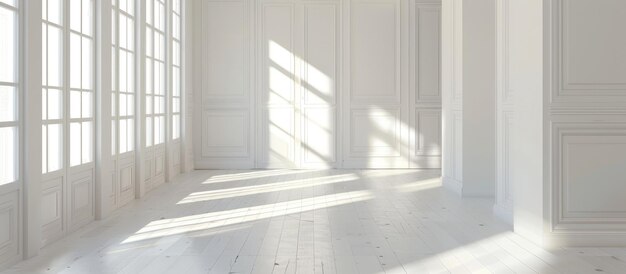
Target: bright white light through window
(67, 107)
(123, 76)
(176, 69)
(155, 72)
(9, 92)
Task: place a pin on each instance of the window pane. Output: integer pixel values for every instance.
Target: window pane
(44, 105)
(75, 15)
(175, 126)
(130, 101)
(123, 136)
(87, 102)
(149, 131)
(55, 53)
(74, 104)
(176, 6)
(149, 12)
(176, 26)
(113, 138)
(87, 142)
(130, 34)
(8, 153)
(122, 31)
(44, 148)
(87, 16)
(75, 63)
(113, 104)
(131, 134)
(149, 42)
(55, 147)
(87, 65)
(148, 104)
(44, 55)
(113, 28)
(75, 145)
(161, 131)
(175, 105)
(123, 106)
(9, 2)
(55, 104)
(176, 81)
(44, 10)
(176, 53)
(130, 81)
(55, 11)
(130, 6)
(7, 104)
(7, 47)
(122, 71)
(149, 75)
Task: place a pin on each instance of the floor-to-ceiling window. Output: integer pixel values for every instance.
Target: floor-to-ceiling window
(81, 84)
(175, 95)
(155, 92)
(52, 85)
(68, 124)
(123, 99)
(9, 92)
(68, 84)
(155, 72)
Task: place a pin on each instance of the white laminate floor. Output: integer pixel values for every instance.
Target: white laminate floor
(296, 221)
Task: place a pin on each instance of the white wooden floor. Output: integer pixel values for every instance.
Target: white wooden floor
(294, 221)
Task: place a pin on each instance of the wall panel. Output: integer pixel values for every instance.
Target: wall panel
(224, 116)
(318, 84)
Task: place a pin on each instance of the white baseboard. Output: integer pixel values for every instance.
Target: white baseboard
(504, 213)
(453, 185)
(586, 239)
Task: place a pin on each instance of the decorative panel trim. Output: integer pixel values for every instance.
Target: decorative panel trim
(564, 135)
(223, 150)
(395, 98)
(416, 11)
(221, 98)
(10, 207)
(80, 214)
(504, 159)
(421, 149)
(332, 98)
(391, 150)
(307, 159)
(566, 89)
(53, 228)
(266, 61)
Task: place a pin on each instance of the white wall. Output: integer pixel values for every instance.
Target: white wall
(468, 83)
(300, 84)
(563, 68)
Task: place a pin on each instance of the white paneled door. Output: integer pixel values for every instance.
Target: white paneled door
(301, 84)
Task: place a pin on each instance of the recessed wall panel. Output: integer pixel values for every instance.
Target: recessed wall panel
(374, 67)
(225, 52)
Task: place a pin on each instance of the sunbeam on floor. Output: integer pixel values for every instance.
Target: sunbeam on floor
(309, 221)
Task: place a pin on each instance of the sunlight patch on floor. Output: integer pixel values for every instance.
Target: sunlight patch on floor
(254, 174)
(174, 226)
(258, 189)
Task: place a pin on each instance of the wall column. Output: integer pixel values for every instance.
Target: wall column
(468, 87)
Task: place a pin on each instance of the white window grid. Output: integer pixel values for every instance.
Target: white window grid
(9, 93)
(155, 94)
(123, 76)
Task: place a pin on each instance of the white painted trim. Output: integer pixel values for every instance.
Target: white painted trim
(103, 109)
(504, 213)
(453, 185)
(32, 126)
